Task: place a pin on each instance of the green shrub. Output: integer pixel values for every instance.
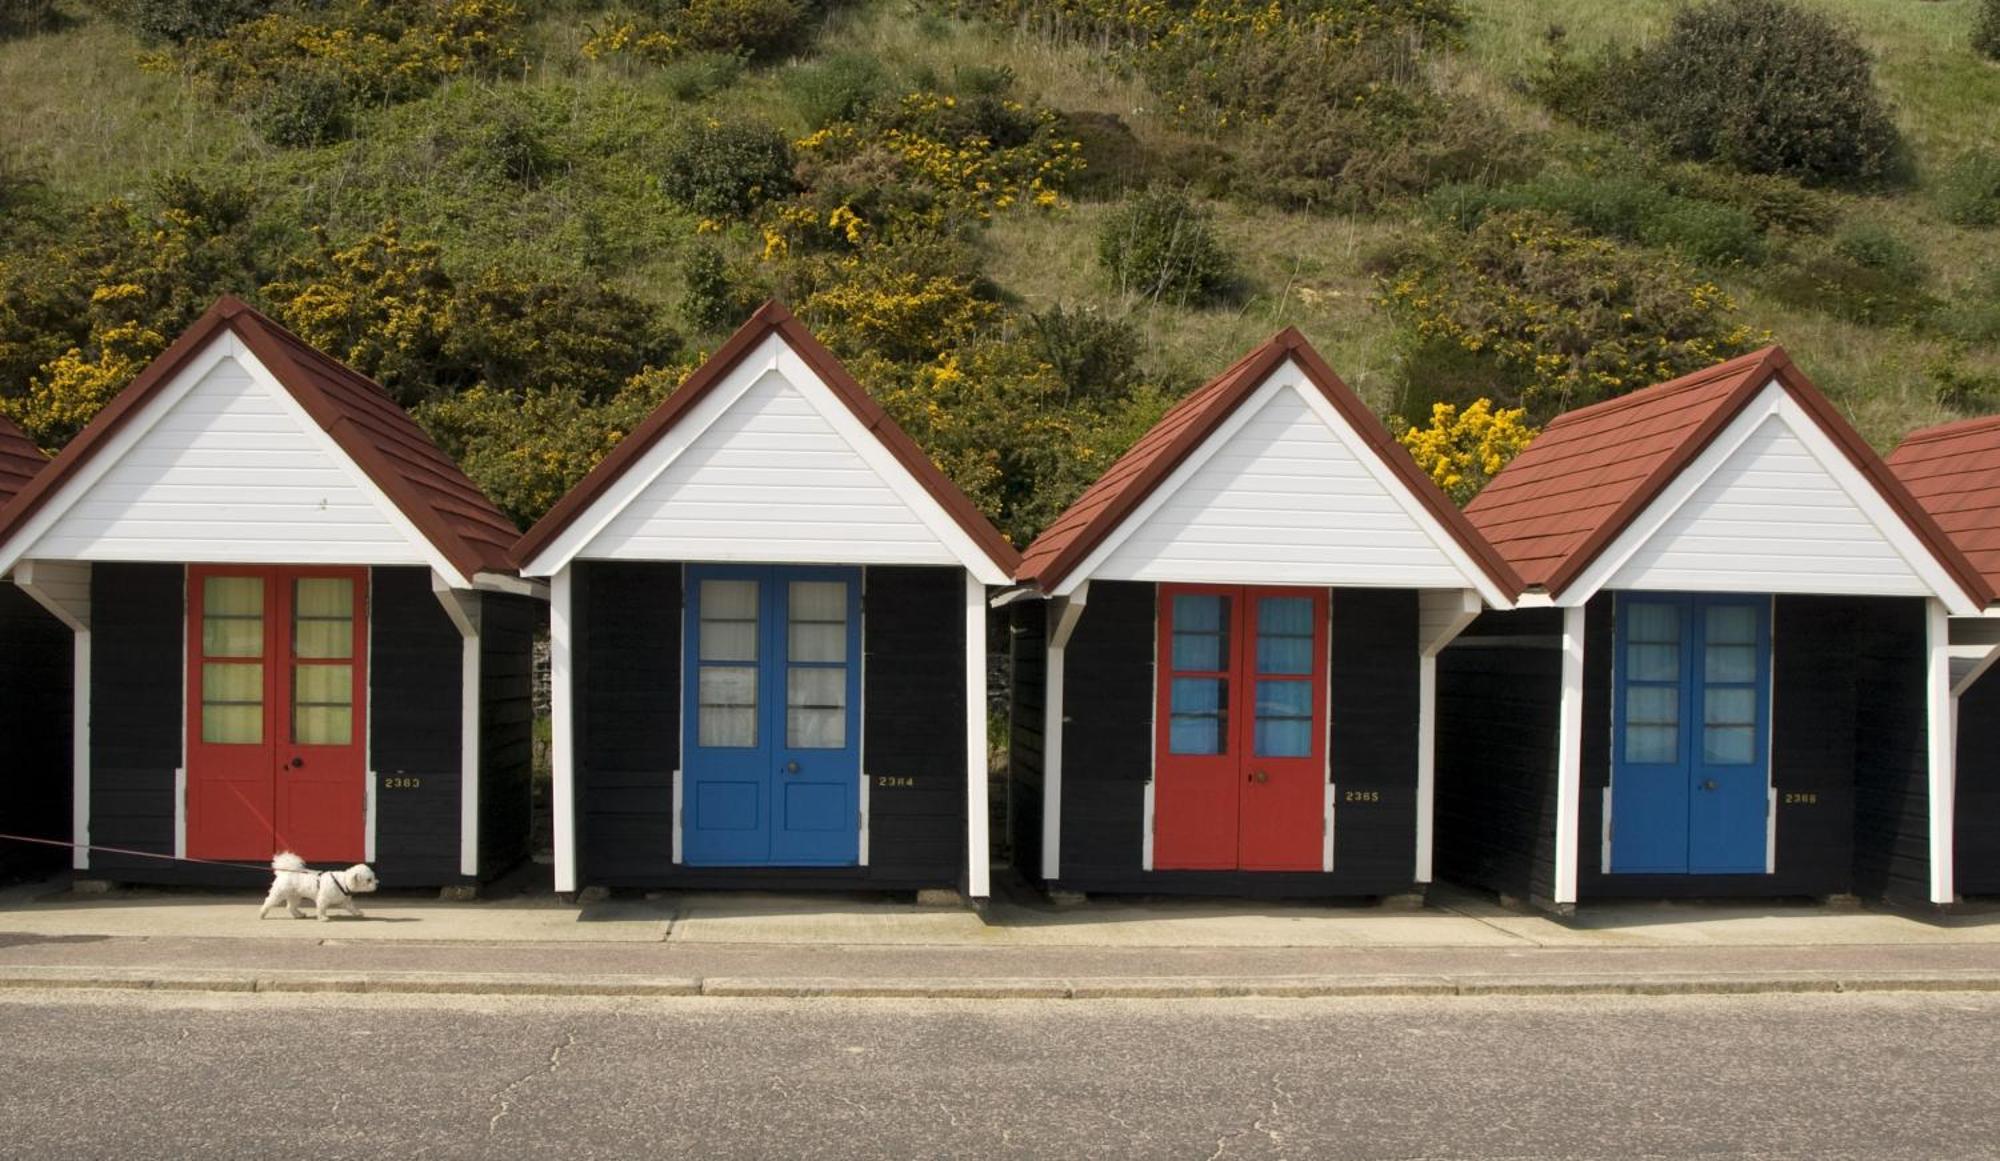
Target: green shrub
(711, 298)
(1765, 86)
(1704, 231)
(723, 169)
(1866, 275)
(1986, 30)
(758, 30)
(839, 88)
(1116, 161)
(1616, 205)
(1969, 192)
(1775, 203)
(21, 17)
(1095, 355)
(1161, 245)
(1959, 387)
(180, 21)
(1973, 314)
(309, 110)
(700, 75)
(1874, 246)
(1560, 318)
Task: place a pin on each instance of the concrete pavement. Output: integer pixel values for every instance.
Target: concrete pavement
(781, 945)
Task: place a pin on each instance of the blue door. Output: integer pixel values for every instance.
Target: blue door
(1690, 734)
(771, 707)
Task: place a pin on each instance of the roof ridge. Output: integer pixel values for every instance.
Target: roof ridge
(1947, 430)
(1652, 393)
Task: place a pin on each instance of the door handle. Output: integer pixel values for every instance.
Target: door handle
(296, 762)
(1260, 777)
(1709, 784)
(791, 767)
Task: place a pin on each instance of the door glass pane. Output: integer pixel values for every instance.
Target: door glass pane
(1652, 724)
(232, 704)
(729, 621)
(1653, 624)
(1284, 635)
(1652, 662)
(1201, 635)
(1729, 725)
(322, 617)
(322, 705)
(1199, 718)
(818, 621)
(232, 616)
(1284, 719)
(1732, 625)
(728, 706)
(816, 708)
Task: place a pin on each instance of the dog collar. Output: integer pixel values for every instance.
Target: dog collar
(338, 885)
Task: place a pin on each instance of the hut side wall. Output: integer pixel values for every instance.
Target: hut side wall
(413, 707)
(627, 623)
(1028, 638)
(507, 727)
(36, 653)
(1977, 837)
(1499, 688)
(1892, 779)
(1107, 750)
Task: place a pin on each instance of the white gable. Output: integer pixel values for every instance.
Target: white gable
(1773, 506)
(222, 466)
(770, 466)
(1285, 492)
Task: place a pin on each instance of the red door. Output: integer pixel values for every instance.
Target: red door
(276, 712)
(1240, 745)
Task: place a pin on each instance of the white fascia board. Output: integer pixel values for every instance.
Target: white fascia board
(500, 582)
(1772, 403)
(1289, 377)
(774, 354)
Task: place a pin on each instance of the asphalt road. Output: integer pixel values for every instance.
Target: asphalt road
(278, 1078)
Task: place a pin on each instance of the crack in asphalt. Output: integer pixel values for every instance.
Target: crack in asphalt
(548, 1069)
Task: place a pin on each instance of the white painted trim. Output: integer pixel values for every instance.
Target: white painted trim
(1770, 830)
(1326, 831)
(374, 781)
(1288, 376)
(1604, 840)
(1052, 760)
(500, 582)
(677, 816)
(1569, 756)
(773, 354)
(562, 730)
(1464, 606)
(80, 751)
(1942, 743)
(1773, 403)
(1062, 613)
(223, 346)
(978, 839)
(469, 678)
(1978, 670)
(680, 738)
(60, 586)
(180, 812)
(1146, 827)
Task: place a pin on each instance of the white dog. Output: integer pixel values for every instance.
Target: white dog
(293, 883)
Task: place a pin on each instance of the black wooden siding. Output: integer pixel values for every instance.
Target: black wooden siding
(1498, 692)
(414, 730)
(1976, 841)
(1028, 635)
(627, 677)
(1891, 751)
(1108, 690)
(506, 728)
(1847, 754)
(35, 712)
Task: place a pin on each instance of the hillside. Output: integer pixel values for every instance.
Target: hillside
(529, 219)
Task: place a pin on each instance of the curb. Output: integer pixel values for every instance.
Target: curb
(1107, 988)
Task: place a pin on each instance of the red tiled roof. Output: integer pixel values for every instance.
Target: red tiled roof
(771, 318)
(1085, 524)
(20, 459)
(380, 437)
(1954, 472)
(1561, 502)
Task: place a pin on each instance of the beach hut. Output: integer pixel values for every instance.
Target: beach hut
(34, 700)
(1728, 676)
(1954, 471)
(768, 641)
(1227, 686)
(294, 623)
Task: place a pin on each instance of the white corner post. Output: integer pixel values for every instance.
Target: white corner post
(1941, 738)
(63, 588)
(978, 843)
(1569, 755)
(562, 729)
(1442, 615)
(1063, 613)
(463, 607)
